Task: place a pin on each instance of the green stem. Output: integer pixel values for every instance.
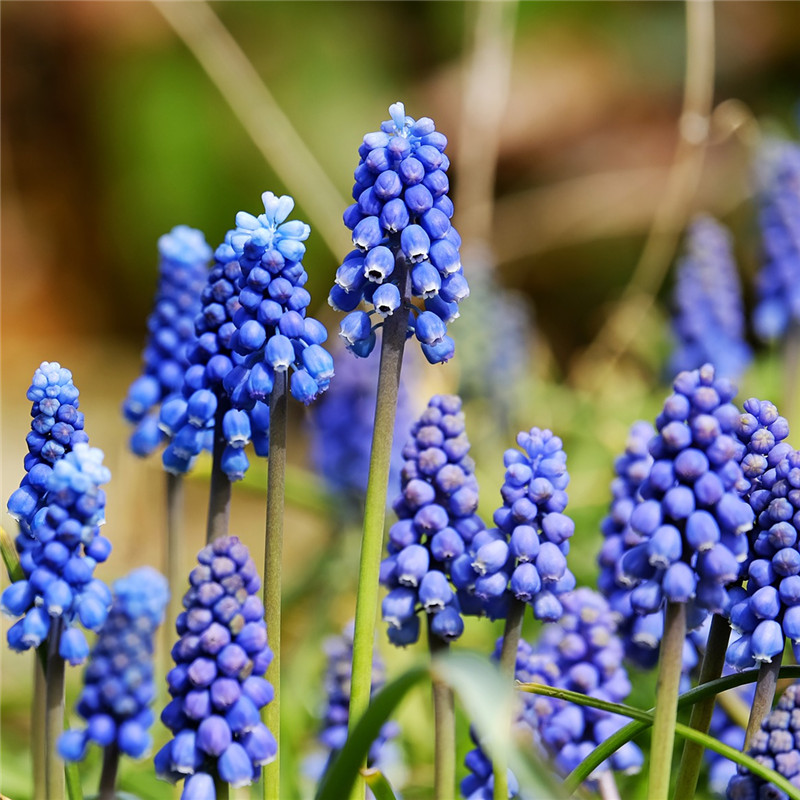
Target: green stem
(762, 700)
(711, 668)
(667, 689)
(38, 748)
(273, 553)
(394, 337)
(219, 496)
(108, 777)
(221, 789)
(508, 662)
(55, 784)
(791, 373)
(175, 551)
(444, 721)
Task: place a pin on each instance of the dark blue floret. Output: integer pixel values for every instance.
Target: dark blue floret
(436, 523)
(709, 313)
(184, 256)
(118, 681)
(217, 683)
(58, 558)
(401, 215)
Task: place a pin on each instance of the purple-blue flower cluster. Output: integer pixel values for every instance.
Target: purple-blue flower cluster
(525, 556)
(118, 681)
(58, 559)
(436, 524)
(404, 243)
(342, 423)
(273, 333)
(631, 468)
(709, 313)
(339, 652)
(692, 518)
(183, 267)
(582, 653)
(217, 684)
(778, 283)
(56, 428)
(775, 746)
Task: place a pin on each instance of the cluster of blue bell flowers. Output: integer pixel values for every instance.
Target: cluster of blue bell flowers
(436, 524)
(581, 652)
(118, 681)
(777, 284)
(253, 324)
(524, 557)
(59, 556)
(57, 426)
(217, 684)
(692, 518)
(401, 215)
(709, 323)
(183, 267)
(776, 747)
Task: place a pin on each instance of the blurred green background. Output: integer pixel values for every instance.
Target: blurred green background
(113, 132)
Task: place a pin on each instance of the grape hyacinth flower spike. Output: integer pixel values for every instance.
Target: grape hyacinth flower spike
(436, 523)
(709, 319)
(693, 523)
(118, 681)
(405, 245)
(217, 683)
(183, 267)
(57, 426)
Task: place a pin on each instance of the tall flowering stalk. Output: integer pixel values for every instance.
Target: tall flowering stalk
(405, 247)
(118, 681)
(709, 314)
(693, 522)
(217, 683)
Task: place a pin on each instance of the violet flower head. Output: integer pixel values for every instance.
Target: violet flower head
(775, 746)
(692, 518)
(183, 267)
(118, 681)
(59, 556)
(778, 283)
(436, 523)
(273, 333)
(217, 683)
(404, 243)
(342, 423)
(525, 556)
(57, 426)
(709, 314)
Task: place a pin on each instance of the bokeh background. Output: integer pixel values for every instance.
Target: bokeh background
(563, 120)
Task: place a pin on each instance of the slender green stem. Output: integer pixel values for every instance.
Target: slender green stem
(38, 748)
(670, 664)
(221, 788)
(394, 337)
(108, 777)
(273, 553)
(174, 556)
(508, 662)
(55, 784)
(219, 496)
(444, 723)
(711, 668)
(762, 700)
(376, 780)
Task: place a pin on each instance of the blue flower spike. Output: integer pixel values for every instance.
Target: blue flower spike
(436, 523)
(118, 680)
(217, 683)
(401, 214)
(183, 268)
(709, 313)
(59, 556)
